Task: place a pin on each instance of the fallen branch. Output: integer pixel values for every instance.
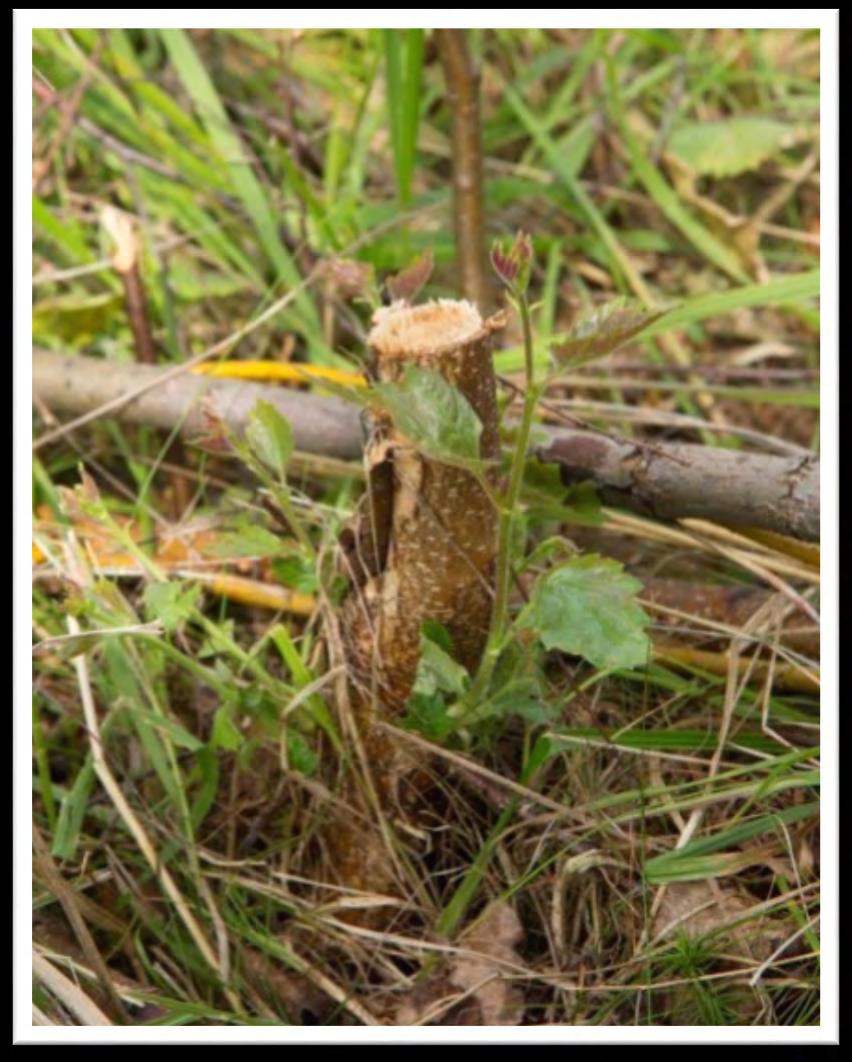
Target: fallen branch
(667, 480)
(79, 385)
(674, 481)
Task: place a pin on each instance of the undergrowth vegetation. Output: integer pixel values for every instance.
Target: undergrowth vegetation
(621, 822)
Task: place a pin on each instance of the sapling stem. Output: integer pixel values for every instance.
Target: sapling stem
(508, 505)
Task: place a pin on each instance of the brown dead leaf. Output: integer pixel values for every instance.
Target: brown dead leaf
(481, 969)
(697, 908)
(407, 284)
(476, 989)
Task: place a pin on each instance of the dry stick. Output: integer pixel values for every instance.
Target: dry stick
(130, 819)
(678, 480)
(462, 79)
(47, 872)
(69, 995)
(140, 394)
(118, 401)
(126, 262)
(670, 481)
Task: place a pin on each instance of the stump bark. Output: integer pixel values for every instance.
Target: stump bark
(423, 548)
(427, 542)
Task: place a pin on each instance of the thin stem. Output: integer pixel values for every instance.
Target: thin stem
(508, 513)
(462, 77)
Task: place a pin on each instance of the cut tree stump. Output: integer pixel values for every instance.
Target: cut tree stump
(424, 549)
(427, 545)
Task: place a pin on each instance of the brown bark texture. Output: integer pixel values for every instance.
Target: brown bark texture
(462, 79)
(136, 304)
(423, 548)
(668, 480)
(429, 536)
(680, 480)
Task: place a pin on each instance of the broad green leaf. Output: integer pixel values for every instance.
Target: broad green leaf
(588, 608)
(168, 727)
(270, 437)
(427, 714)
(603, 330)
(225, 733)
(433, 414)
(439, 679)
(171, 603)
(248, 541)
(729, 147)
(438, 671)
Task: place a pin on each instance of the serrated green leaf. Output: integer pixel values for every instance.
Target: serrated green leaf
(270, 437)
(433, 414)
(727, 148)
(437, 671)
(603, 330)
(171, 603)
(225, 733)
(300, 754)
(588, 608)
(427, 714)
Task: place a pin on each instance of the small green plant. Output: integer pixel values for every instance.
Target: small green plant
(584, 606)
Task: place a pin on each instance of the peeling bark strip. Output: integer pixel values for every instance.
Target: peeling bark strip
(671, 480)
(125, 262)
(431, 530)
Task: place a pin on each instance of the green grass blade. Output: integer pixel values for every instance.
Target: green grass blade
(665, 197)
(684, 864)
(776, 293)
(206, 99)
(404, 65)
